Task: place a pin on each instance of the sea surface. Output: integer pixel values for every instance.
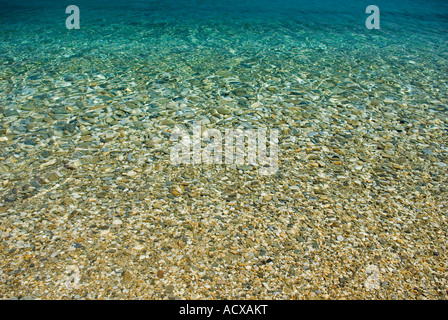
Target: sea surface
(326, 39)
(92, 207)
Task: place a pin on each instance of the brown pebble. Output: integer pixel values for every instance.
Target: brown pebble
(169, 288)
(160, 273)
(127, 277)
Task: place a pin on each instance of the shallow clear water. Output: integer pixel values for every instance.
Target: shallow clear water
(324, 38)
(282, 29)
(85, 117)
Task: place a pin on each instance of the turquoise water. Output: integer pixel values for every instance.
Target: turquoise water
(315, 50)
(85, 172)
(201, 38)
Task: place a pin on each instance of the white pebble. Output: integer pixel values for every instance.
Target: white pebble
(131, 174)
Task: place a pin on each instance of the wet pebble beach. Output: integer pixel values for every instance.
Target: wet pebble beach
(92, 207)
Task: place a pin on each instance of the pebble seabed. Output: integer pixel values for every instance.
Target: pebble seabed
(92, 208)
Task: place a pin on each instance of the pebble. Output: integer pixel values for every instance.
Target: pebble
(117, 222)
(131, 174)
(126, 277)
(223, 110)
(109, 136)
(10, 112)
(168, 122)
(59, 110)
(73, 164)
